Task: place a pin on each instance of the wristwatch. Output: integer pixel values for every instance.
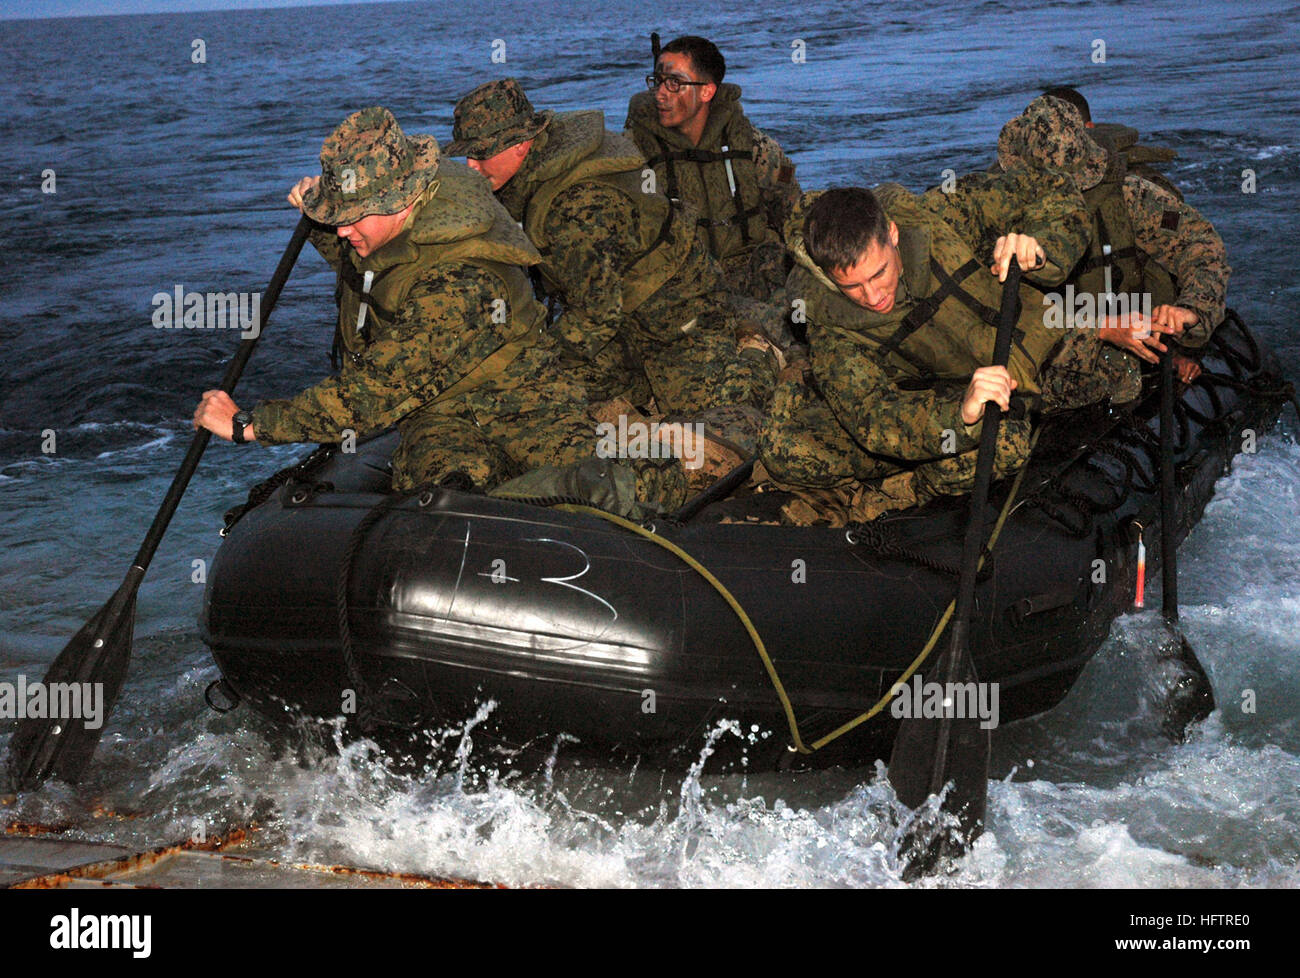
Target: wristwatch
(241, 421)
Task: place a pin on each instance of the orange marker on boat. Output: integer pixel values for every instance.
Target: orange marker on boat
(1142, 573)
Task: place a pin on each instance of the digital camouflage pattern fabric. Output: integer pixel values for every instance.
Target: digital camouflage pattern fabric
(451, 349)
(1175, 235)
(369, 166)
(1050, 133)
(492, 118)
(643, 315)
(807, 452)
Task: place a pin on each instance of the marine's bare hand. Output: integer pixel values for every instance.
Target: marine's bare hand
(300, 188)
(1024, 247)
(1137, 334)
(216, 412)
(1186, 368)
(1177, 316)
(987, 384)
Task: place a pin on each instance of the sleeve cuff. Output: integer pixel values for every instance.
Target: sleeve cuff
(269, 424)
(968, 436)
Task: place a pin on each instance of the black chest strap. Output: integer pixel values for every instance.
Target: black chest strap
(671, 157)
(924, 311)
(347, 276)
(1101, 259)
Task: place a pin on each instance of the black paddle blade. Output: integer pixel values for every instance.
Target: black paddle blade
(99, 653)
(1187, 696)
(912, 774)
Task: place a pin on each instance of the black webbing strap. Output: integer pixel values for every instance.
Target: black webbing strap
(1096, 261)
(666, 156)
(695, 155)
(925, 309)
(665, 236)
(1104, 238)
(742, 218)
(349, 276)
(699, 156)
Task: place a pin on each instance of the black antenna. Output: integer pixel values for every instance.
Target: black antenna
(654, 46)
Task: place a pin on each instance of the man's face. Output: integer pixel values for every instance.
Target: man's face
(501, 168)
(373, 231)
(681, 108)
(873, 282)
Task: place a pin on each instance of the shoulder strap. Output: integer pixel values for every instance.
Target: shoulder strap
(949, 287)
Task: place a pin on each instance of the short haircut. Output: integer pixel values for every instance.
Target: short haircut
(705, 57)
(1067, 94)
(841, 225)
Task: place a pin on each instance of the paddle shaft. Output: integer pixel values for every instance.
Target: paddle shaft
(237, 363)
(719, 490)
(1168, 508)
(951, 664)
(101, 651)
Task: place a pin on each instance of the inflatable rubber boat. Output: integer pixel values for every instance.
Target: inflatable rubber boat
(331, 596)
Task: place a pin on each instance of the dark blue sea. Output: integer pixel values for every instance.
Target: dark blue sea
(170, 172)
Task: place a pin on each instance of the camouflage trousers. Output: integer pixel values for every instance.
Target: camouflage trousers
(491, 436)
(805, 450)
(758, 273)
(1084, 370)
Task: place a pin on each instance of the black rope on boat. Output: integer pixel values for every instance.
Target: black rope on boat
(366, 716)
(1263, 385)
(264, 490)
(550, 501)
(546, 501)
(1255, 361)
(876, 536)
(1074, 511)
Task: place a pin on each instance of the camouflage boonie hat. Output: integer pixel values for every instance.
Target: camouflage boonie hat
(492, 118)
(369, 166)
(1050, 133)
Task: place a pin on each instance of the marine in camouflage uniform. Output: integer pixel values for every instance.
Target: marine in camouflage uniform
(736, 177)
(438, 327)
(1145, 238)
(643, 315)
(1137, 157)
(880, 428)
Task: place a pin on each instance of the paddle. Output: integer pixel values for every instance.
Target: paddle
(99, 653)
(928, 753)
(719, 490)
(1189, 697)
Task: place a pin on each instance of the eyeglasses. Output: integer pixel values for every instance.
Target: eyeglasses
(670, 82)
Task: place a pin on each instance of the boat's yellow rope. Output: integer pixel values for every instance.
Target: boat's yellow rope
(757, 639)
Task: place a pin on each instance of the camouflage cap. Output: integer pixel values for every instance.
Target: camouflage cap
(1050, 133)
(492, 118)
(369, 166)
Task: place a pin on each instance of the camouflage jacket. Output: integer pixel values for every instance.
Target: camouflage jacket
(607, 245)
(1179, 238)
(449, 298)
(766, 182)
(909, 409)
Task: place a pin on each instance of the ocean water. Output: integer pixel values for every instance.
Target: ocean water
(172, 172)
